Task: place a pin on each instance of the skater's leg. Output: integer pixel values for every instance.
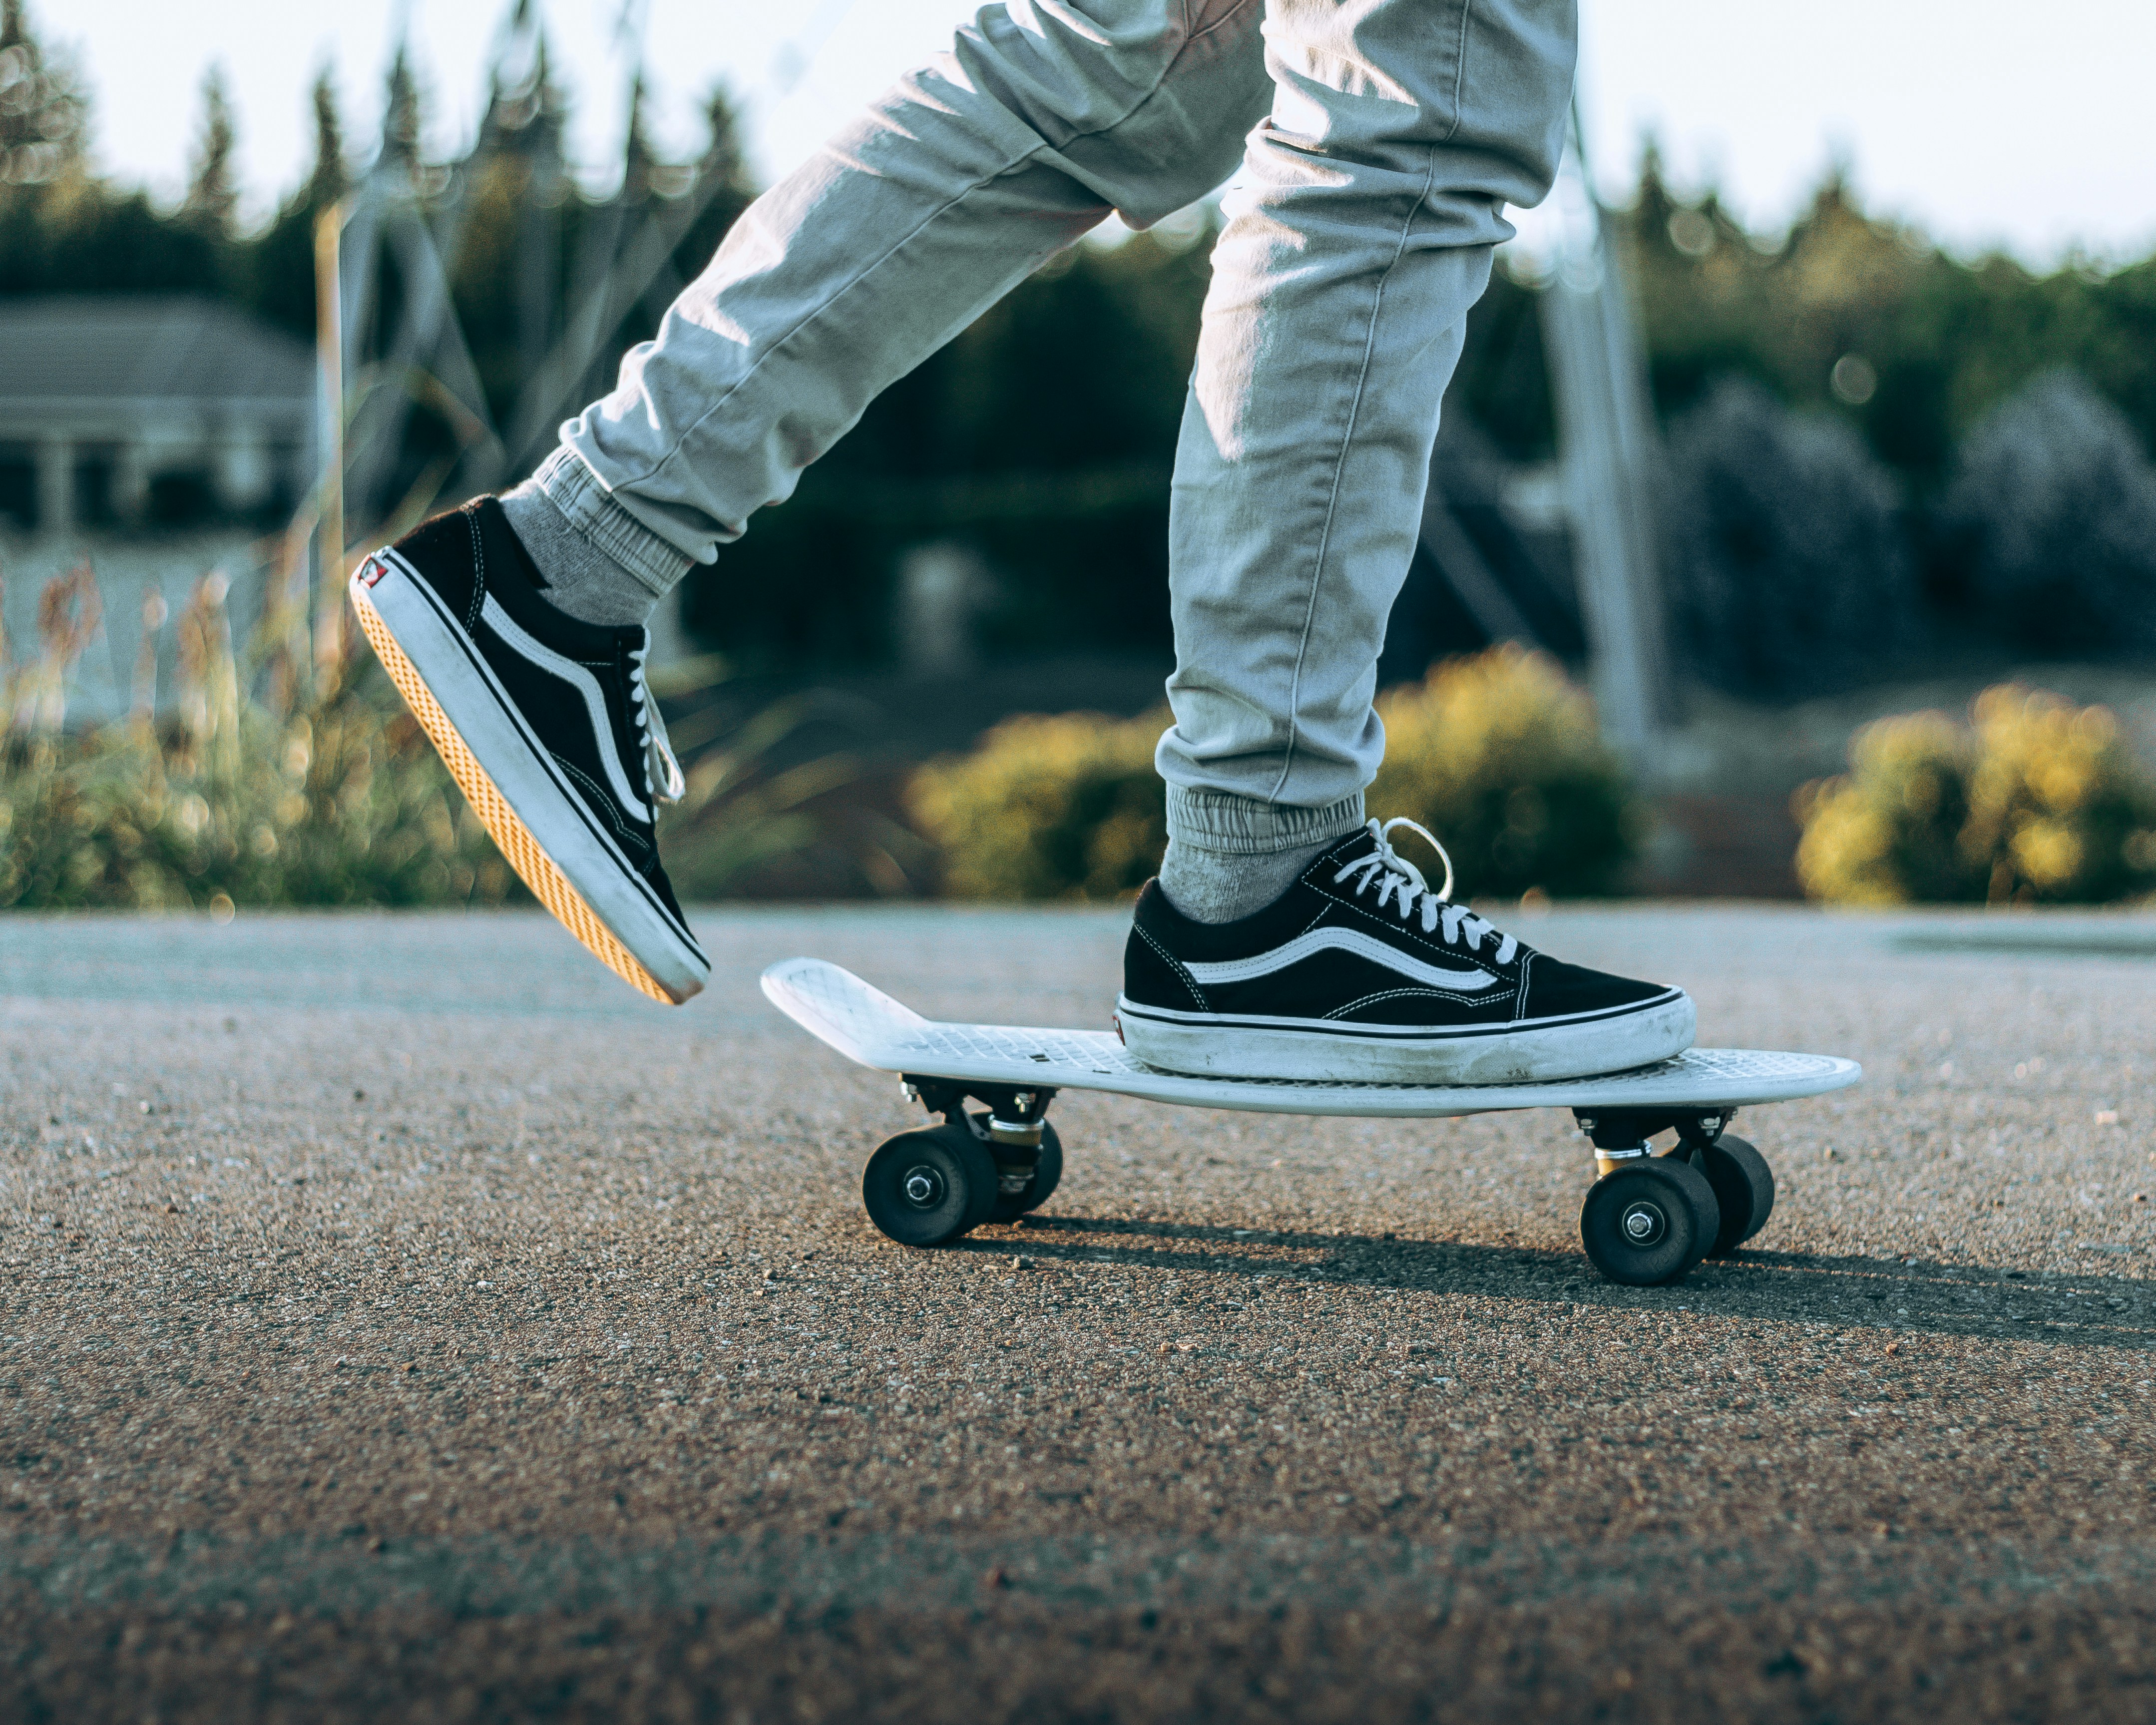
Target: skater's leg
(968, 175)
(1282, 940)
(1357, 241)
(515, 628)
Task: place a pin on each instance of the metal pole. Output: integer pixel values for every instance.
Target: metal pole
(1603, 433)
(328, 355)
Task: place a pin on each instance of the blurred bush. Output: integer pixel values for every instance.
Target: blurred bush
(1788, 565)
(275, 782)
(775, 807)
(1067, 807)
(1496, 754)
(2035, 802)
(2051, 516)
(1889, 832)
(336, 801)
(345, 805)
(1499, 756)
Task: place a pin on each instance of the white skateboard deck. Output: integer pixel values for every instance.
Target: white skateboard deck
(868, 1026)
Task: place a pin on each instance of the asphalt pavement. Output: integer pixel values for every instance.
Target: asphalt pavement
(399, 1319)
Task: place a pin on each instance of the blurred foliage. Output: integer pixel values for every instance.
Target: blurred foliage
(329, 798)
(277, 782)
(780, 803)
(2052, 516)
(523, 243)
(2038, 802)
(44, 123)
(1499, 756)
(1041, 439)
(1067, 807)
(1940, 341)
(1787, 566)
(1042, 436)
(345, 805)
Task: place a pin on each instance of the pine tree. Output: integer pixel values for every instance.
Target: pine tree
(44, 115)
(637, 158)
(329, 180)
(402, 119)
(722, 159)
(211, 196)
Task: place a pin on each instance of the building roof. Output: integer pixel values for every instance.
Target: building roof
(142, 349)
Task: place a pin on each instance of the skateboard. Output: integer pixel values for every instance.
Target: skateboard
(1648, 1219)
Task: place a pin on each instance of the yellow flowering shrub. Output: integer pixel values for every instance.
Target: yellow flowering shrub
(1499, 756)
(1048, 806)
(2035, 801)
(1496, 754)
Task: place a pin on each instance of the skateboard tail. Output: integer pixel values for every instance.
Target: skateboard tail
(837, 1007)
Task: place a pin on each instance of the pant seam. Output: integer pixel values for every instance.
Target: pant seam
(1460, 72)
(1332, 501)
(1190, 36)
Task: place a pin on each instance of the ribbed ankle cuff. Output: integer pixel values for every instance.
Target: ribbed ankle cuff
(572, 487)
(1242, 826)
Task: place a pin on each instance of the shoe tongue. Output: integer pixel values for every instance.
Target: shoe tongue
(1350, 848)
(1356, 845)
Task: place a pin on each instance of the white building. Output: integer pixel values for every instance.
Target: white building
(134, 411)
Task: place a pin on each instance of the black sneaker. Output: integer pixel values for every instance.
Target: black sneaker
(549, 729)
(1359, 973)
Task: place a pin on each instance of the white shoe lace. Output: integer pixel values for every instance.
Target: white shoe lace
(663, 780)
(1400, 880)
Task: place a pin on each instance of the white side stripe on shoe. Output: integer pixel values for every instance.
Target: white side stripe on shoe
(569, 671)
(1344, 940)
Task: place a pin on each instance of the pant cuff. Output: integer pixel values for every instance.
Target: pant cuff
(574, 489)
(1242, 826)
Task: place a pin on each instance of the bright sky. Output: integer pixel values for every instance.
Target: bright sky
(1988, 123)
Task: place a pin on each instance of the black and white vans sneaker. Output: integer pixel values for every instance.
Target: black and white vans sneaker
(549, 729)
(1360, 973)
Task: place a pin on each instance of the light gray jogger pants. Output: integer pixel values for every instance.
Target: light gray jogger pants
(1381, 140)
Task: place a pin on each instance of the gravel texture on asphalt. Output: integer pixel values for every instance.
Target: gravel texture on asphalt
(400, 1318)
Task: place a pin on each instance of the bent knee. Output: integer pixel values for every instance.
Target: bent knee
(1147, 100)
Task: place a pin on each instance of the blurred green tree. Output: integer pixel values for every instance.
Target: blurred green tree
(1042, 437)
(213, 195)
(44, 112)
(278, 263)
(1871, 320)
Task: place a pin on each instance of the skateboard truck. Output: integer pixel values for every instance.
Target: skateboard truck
(1011, 1128)
(1621, 1135)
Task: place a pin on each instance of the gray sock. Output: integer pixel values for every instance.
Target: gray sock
(1220, 887)
(581, 579)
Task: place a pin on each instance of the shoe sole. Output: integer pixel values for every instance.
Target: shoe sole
(1205, 1045)
(670, 970)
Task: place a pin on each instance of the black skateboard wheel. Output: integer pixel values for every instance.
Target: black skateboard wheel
(927, 1188)
(1743, 1187)
(1047, 1175)
(1650, 1222)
